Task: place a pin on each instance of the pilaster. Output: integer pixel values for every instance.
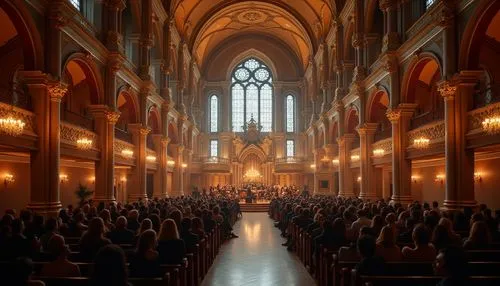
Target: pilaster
(137, 189)
(160, 176)
(345, 173)
(366, 135)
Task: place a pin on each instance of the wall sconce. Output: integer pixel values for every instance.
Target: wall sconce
(421, 143)
(171, 163)
(478, 177)
(439, 178)
(8, 179)
(63, 178)
(335, 162)
(151, 158)
(415, 178)
(92, 179)
(123, 180)
(378, 152)
(354, 157)
(184, 165)
(359, 179)
(313, 166)
(127, 153)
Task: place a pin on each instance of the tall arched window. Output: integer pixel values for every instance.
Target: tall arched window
(252, 95)
(214, 113)
(290, 113)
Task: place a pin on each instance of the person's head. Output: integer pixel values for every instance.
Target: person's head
(51, 225)
(479, 233)
(366, 230)
(339, 229)
(176, 215)
(390, 218)
(105, 215)
(96, 227)
(440, 237)
(109, 267)
(435, 204)
(155, 219)
(57, 246)
(186, 224)
(168, 230)
(197, 223)
(451, 262)
(121, 222)
(386, 237)
(133, 215)
(420, 235)
(145, 225)
(147, 241)
(366, 246)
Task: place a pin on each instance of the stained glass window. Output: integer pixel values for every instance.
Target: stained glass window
(214, 148)
(290, 148)
(290, 113)
(75, 3)
(252, 95)
(214, 113)
(428, 3)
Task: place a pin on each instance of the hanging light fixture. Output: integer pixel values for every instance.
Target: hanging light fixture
(378, 152)
(171, 163)
(336, 162)
(10, 125)
(84, 143)
(127, 153)
(151, 158)
(354, 157)
(421, 143)
(492, 124)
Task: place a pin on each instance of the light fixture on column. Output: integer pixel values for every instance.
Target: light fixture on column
(415, 178)
(313, 166)
(171, 163)
(11, 125)
(84, 143)
(439, 178)
(151, 158)
(478, 177)
(63, 178)
(336, 162)
(378, 152)
(123, 180)
(492, 124)
(354, 158)
(8, 179)
(92, 179)
(184, 165)
(358, 179)
(127, 153)
(421, 142)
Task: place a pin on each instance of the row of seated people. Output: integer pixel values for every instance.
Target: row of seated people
(327, 230)
(184, 233)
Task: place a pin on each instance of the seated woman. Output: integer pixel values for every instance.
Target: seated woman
(171, 248)
(455, 238)
(146, 224)
(110, 267)
(197, 227)
(441, 238)
(370, 263)
(93, 239)
(145, 261)
(479, 237)
(386, 245)
(423, 251)
(61, 266)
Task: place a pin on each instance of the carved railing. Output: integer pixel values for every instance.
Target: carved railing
(289, 160)
(434, 131)
(26, 116)
(477, 116)
(215, 160)
(120, 145)
(216, 164)
(150, 152)
(355, 152)
(385, 145)
(70, 133)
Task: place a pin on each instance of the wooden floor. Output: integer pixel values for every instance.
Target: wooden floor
(256, 257)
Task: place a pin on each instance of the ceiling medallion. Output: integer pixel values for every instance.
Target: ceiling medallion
(251, 17)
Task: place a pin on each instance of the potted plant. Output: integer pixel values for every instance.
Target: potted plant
(83, 193)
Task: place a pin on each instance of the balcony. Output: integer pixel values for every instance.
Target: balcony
(216, 164)
(289, 165)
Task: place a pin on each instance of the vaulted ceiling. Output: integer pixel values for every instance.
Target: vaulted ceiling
(300, 24)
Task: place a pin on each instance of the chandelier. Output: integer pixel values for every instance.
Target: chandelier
(492, 124)
(421, 143)
(11, 126)
(84, 143)
(335, 162)
(378, 152)
(354, 157)
(151, 158)
(127, 153)
(252, 174)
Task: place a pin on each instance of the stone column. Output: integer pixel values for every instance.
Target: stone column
(55, 21)
(226, 105)
(278, 106)
(160, 176)
(450, 44)
(401, 167)
(188, 156)
(44, 161)
(105, 120)
(137, 186)
(391, 38)
(177, 180)
(386, 182)
(112, 18)
(367, 172)
(345, 173)
(459, 159)
(146, 40)
(358, 41)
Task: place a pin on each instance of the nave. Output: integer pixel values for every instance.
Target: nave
(256, 257)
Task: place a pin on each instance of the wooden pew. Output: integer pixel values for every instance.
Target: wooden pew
(84, 281)
(419, 280)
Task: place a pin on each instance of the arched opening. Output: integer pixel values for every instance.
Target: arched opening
(82, 92)
(374, 29)
(173, 136)
(128, 114)
(377, 114)
(352, 123)
(154, 124)
(423, 90)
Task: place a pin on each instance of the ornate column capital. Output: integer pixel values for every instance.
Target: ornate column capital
(393, 115)
(57, 90)
(367, 129)
(447, 90)
(387, 4)
(112, 116)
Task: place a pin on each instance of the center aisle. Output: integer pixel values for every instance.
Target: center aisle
(256, 257)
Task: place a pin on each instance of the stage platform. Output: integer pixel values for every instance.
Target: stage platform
(260, 206)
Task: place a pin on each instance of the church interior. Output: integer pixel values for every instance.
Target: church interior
(206, 104)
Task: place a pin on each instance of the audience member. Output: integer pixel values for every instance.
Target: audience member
(145, 262)
(93, 239)
(110, 267)
(423, 251)
(370, 264)
(172, 249)
(121, 235)
(60, 266)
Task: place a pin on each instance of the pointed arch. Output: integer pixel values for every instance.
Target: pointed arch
(252, 53)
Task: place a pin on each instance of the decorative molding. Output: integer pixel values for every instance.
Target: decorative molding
(26, 116)
(385, 144)
(477, 116)
(120, 145)
(71, 133)
(434, 131)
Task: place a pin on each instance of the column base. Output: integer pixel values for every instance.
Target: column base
(450, 205)
(403, 200)
(371, 197)
(137, 197)
(160, 196)
(104, 200)
(46, 209)
(347, 195)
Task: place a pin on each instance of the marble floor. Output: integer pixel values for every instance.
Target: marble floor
(256, 257)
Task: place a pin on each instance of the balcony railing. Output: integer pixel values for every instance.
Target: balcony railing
(214, 160)
(289, 160)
